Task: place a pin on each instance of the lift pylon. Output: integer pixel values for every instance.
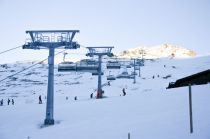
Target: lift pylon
(51, 39)
(100, 51)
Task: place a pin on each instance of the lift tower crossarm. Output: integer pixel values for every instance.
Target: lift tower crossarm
(93, 51)
(51, 31)
(42, 39)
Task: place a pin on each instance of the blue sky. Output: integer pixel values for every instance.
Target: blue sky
(120, 23)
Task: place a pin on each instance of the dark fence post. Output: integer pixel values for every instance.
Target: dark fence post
(129, 136)
(190, 109)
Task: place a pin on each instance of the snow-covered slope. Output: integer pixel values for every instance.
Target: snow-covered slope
(165, 50)
(148, 111)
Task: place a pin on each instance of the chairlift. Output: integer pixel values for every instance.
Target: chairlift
(96, 73)
(113, 65)
(67, 66)
(139, 62)
(81, 66)
(137, 67)
(87, 65)
(125, 75)
(128, 66)
(133, 73)
(111, 77)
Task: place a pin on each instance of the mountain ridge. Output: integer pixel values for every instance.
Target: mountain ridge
(158, 51)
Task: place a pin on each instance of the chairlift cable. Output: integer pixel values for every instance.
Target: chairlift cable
(9, 50)
(29, 67)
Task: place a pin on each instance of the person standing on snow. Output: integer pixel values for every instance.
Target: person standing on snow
(2, 102)
(8, 101)
(40, 99)
(124, 93)
(91, 95)
(13, 102)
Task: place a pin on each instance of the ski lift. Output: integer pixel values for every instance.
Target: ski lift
(66, 66)
(111, 77)
(125, 75)
(113, 65)
(133, 73)
(139, 62)
(128, 66)
(82, 66)
(87, 65)
(96, 73)
(137, 67)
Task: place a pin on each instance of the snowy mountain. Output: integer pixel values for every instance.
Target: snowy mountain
(165, 50)
(148, 111)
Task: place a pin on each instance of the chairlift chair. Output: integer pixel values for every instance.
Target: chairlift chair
(66, 66)
(113, 65)
(125, 75)
(128, 66)
(137, 67)
(96, 73)
(87, 66)
(111, 77)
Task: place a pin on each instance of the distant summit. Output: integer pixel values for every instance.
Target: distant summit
(160, 51)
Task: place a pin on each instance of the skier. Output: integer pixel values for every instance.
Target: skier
(40, 99)
(8, 101)
(2, 101)
(13, 102)
(91, 95)
(124, 93)
(75, 98)
(108, 83)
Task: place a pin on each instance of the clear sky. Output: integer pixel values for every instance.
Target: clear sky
(120, 23)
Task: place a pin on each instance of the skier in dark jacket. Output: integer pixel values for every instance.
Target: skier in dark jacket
(2, 102)
(40, 99)
(91, 95)
(8, 101)
(124, 93)
(13, 102)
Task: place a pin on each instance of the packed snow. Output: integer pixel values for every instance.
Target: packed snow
(148, 111)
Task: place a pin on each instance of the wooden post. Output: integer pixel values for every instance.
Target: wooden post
(190, 109)
(129, 136)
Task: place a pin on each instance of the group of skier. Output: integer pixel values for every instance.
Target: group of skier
(40, 98)
(76, 98)
(8, 102)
